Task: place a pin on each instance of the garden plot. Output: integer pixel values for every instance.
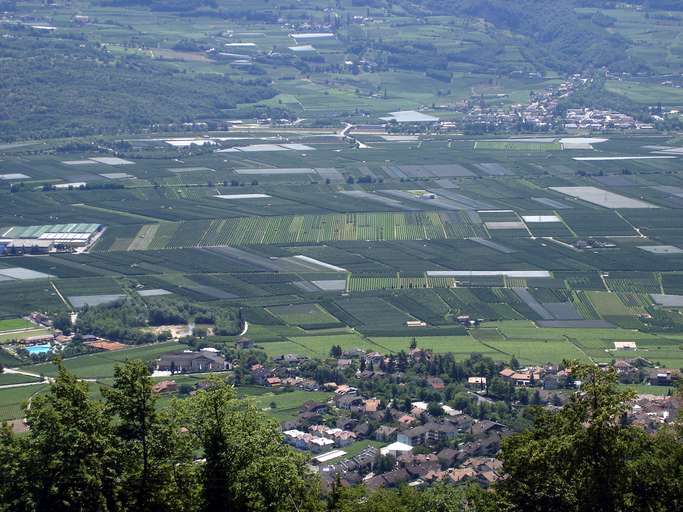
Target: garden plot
(667, 300)
(311, 264)
(552, 203)
(14, 176)
(375, 312)
(190, 169)
(562, 310)
(493, 245)
(154, 292)
(446, 183)
(580, 142)
(184, 143)
(253, 148)
(528, 145)
(540, 219)
(305, 286)
(667, 189)
(232, 253)
(210, 291)
(436, 171)
(548, 311)
(616, 180)
(466, 202)
(264, 148)
(575, 324)
(242, 196)
(534, 304)
(330, 173)
(612, 158)
(79, 162)
(661, 249)
(331, 285)
(302, 314)
(658, 148)
(410, 116)
(111, 160)
(312, 35)
(524, 274)
(670, 151)
(424, 197)
(302, 48)
(22, 274)
(602, 198)
(80, 301)
(370, 196)
(494, 169)
(275, 171)
(505, 225)
(117, 175)
(400, 138)
(297, 147)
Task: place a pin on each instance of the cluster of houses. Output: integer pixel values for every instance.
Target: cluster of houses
(601, 120)
(652, 411)
(414, 443)
(462, 447)
(419, 470)
(319, 438)
(539, 113)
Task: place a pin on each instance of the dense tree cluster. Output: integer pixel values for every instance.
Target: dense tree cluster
(125, 454)
(115, 94)
(125, 320)
(562, 39)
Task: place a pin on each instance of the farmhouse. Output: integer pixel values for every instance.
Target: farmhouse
(478, 383)
(664, 376)
(191, 362)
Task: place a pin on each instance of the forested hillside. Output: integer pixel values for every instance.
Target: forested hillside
(135, 75)
(557, 36)
(39, 72)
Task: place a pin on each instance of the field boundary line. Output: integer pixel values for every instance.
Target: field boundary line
(557, 214)
(571, 340)
(59, 294)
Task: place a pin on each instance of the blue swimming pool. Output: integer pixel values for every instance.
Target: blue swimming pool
(38, 349)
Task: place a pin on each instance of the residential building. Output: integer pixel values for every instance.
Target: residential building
(191, 362)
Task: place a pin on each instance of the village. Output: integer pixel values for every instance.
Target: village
(414, 418)
(411, 418)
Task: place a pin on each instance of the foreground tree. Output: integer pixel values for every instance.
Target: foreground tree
(247, 466)
(68, 462)
(440, 497)
(585, 459)
(14, 485)
(157, 470)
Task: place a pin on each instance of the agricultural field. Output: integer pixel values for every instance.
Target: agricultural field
(12, 400)
(555, 247)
